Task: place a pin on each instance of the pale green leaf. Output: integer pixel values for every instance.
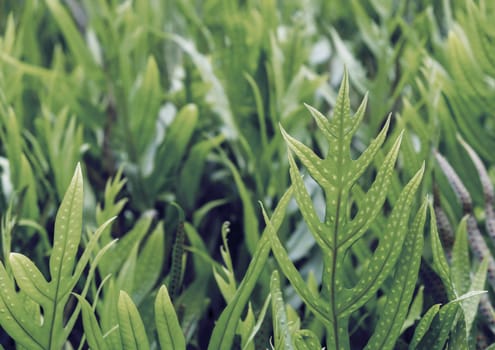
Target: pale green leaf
(30, 279)
(373, 201)
(470, 306)
(250, 221)
(131, 328)
(144, 106)
(14, 320)
(170, 334)
(68, 227)
(115, 257)
(91, 327)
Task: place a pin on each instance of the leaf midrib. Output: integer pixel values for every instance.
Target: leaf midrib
(57, 281)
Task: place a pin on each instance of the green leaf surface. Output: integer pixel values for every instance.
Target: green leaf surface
(460, 266)
(170, 334)
(14, 320)
(440, 264)
(395, 310)
(282, 335)
(30, 279)
(224, 331)
(149, 264)
(68, 227)
(92, 329)
(386, 254)
(131, 327)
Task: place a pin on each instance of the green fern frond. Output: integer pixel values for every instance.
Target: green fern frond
(51, 330)
(337, 174)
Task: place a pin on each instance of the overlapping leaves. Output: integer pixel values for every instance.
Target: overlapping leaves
(337, 174)
(34, 316)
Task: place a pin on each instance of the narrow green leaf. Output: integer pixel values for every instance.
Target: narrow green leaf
(395, 310)
(68, 227)
(115, 257)
(144, 106)
(311, 161)
(261, 317)
(224, 275)
(170, 334)
(72, 35)
(304, 202)
(131, 328)
(440, 328)
(440, 264)
(283, 339)
(92, 329)
(149, 264)
(223, 334)
(365, 159)
(423, 326)
(192, 170)
(173, 148)
(415, 310)
(217, 95)
(470, 306)
(461, 264)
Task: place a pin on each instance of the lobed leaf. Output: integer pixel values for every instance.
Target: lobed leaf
(304, 202)
(386, 254)
(30, 279)
(373, 201)
(14, 320)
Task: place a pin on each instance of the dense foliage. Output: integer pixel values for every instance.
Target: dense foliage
(254, 174)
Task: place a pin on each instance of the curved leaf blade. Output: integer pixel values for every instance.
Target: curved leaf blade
(131, 327)
(170, 334)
